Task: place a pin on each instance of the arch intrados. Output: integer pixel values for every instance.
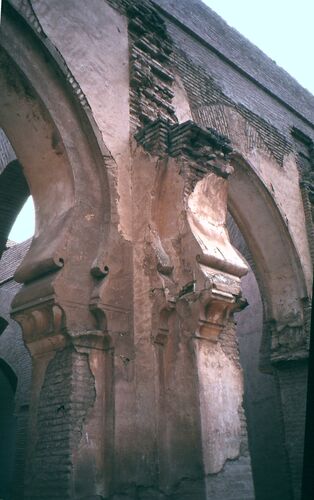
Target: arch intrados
(53, 138)
(34, 138)
(264, 230)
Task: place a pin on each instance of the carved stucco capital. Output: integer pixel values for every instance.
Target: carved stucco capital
(216, 306)
(210, 309)
(43, 326)
(49, 321)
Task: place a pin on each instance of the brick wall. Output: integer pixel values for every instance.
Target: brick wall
(66, 396)
(13, 352)
(292, 378)
(254, 94)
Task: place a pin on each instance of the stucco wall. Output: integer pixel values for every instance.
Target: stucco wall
(168, 414)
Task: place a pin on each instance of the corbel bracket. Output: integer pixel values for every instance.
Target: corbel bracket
(43, 324)
(216, 307)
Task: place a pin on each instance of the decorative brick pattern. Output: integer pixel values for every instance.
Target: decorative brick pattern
(203, 91)
(150, 68)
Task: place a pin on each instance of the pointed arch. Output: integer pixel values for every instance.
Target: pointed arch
(261, 223)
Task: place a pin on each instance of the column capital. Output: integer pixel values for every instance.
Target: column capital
(289, 341)
(212, 307)
(43, 326)
(49, 322)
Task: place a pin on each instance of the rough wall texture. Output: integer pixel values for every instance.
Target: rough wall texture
(14, 353)
(293, 383)
(204, 90)
(62, 414)
(138, 123)
(150, 68)
(262, 402)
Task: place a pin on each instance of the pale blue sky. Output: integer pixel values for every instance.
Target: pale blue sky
(24, 226)
(283, 29)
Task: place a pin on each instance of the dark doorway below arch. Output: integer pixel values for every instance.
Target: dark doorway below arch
(8, 383)
(262, 402)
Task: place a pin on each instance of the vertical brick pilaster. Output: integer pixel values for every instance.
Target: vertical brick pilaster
(66, 396)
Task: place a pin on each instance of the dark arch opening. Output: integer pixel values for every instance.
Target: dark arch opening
(3, 324)
(8, 383)
(261, 397)
(14, 189)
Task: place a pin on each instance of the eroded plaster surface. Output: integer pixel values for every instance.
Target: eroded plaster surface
(281, 181)
(219, 408)
(143, 332)
(92, 38)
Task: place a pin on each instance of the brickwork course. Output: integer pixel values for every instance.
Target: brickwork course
(154, 333)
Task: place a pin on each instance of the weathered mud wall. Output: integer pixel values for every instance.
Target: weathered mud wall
(141, 136)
